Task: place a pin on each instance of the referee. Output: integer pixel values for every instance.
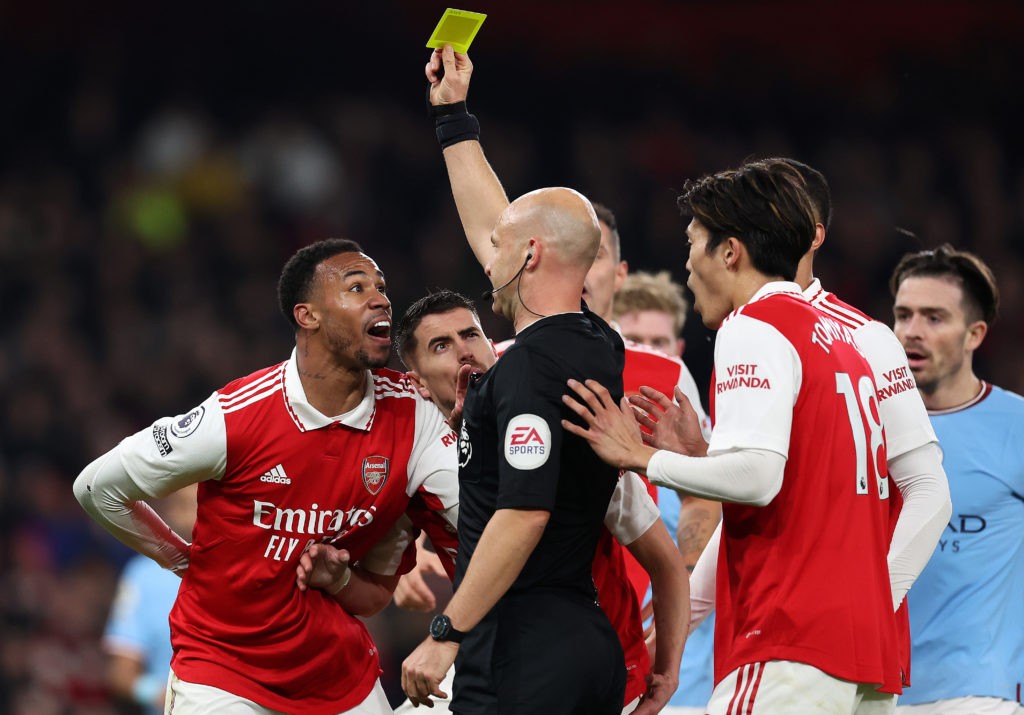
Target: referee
(524, 621)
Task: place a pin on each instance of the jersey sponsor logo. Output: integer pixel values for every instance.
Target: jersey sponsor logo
(160, 438)
(527, 441)
(899, 380)
(465, 446)
(276, 476)
(742, 375)
(312, 520)
(827, 330)
(375, 473)
(327, 525)
(184, 425)
(961, 524)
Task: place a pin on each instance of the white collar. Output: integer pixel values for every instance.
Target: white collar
(813, 289)
(773, 287)
(307, 417)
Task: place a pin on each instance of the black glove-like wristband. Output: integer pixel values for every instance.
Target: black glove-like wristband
(453, 123)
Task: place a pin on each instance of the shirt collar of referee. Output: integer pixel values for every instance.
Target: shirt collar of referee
(308, 418)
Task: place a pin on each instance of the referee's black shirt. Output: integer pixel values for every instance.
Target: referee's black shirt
(514, 454)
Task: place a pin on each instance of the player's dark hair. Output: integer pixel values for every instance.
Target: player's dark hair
(816, 186)
(434, 303)
(975, 278)
(296, 281)
(764, 205)
(606, 216)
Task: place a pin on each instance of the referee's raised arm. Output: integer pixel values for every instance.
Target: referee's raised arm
(479, 196)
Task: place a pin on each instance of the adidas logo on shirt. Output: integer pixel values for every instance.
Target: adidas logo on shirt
(276, 476)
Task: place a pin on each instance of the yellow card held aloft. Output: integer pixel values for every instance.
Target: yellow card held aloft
(456, 28)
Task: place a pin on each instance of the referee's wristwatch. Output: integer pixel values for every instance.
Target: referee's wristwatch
(441, 630)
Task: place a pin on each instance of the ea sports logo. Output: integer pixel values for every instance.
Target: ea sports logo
(527, 441)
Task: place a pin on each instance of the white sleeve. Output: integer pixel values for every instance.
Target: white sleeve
(434, 461)
(631, 511)
(899, 403)
(111, 497)
(170, 454)
(757, 380)
(702, 581)
(924, 516)
(745, 476)
(688, 387)
(176, 451)
(385, 556)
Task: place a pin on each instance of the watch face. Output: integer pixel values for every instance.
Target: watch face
(439, 627)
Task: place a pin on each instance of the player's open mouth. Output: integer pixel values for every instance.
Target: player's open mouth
(916, 358)
(380, 329)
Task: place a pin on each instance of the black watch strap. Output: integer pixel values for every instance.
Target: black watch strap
(441, 629)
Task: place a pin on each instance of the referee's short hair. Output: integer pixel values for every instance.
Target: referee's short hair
(965, 269)
(434, 303)
(296, 281)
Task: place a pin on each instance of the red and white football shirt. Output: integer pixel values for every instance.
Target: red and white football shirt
(648, 367)
(631, 512)
(276, 476)
(903, 413)
(805, 577)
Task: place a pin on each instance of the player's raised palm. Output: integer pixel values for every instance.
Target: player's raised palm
(673, 426)
(612, 430)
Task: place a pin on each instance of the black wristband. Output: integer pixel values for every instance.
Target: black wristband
(443, 110)
(453, 124)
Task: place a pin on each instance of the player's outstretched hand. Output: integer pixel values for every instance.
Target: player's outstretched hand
(323, 566)
(413, 593)
(673, 426)
(448, 72)
(424, 669)
(612, 430)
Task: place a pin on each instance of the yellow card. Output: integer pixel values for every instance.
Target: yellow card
(456, 28)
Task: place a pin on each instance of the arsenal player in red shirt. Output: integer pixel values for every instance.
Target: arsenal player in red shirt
(797, 455)
(304, 470)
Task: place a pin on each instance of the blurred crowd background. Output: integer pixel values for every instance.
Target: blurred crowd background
(158, 164)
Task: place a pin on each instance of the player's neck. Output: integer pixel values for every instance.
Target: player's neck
(956, 391)
(331, 389)
(748, 284)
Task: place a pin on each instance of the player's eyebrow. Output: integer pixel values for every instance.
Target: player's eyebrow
(438, 338)
(360, 272)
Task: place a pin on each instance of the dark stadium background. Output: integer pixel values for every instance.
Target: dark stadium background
(159, 161)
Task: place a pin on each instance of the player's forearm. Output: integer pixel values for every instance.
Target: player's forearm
(115, 501)
(367, 593)
(746, 476)
(697, 521)
(479, 196)
(670, 590)
(703, 581)
(504, 547)
(923, 517)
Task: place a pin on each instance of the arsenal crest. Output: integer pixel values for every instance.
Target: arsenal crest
(375, 473)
